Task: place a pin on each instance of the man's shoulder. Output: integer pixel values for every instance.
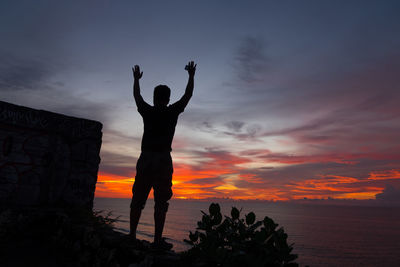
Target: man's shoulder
(146, 108)
(177, 107)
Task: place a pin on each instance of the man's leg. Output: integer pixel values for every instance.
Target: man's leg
(134, 220)
(162, 193)
(160, 213)
(140, 192)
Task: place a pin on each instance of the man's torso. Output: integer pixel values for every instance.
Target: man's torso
(159, 127)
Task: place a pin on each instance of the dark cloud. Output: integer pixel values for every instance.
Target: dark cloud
(254, 152)
(253, 130)
(279, 176)
(335, 80)
(252, 133)
(118, 164)
(341, 129)
(359, 169)
(84, 108)
(237, 129)
(24, 74)
(390, 193)
(217, 161)
(29, 81)
(118, 137)
(214, 181)
(235, 126)
(206, 126)
(250, 59)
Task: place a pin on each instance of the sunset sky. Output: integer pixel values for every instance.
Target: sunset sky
(292, 99)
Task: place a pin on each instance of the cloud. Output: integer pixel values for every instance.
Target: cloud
(31, 82)
(221, 158)
(74, 106)
(214, 181)
(321, 99)
(343, 128)
(390, 193)
(23, 74)
(113, 136)
(250, 59)
(118, 164)
(235, 126)
(318, 104)
(318, 180)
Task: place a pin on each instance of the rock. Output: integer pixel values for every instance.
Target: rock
(47, 158)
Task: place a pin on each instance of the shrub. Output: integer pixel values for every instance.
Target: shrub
(237, 241)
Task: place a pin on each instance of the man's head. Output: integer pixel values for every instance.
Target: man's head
(161, 95)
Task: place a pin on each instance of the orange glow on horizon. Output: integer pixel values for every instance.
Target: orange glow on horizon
(113, 186)
(220, 181)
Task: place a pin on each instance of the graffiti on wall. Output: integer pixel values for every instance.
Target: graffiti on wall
(47, 158)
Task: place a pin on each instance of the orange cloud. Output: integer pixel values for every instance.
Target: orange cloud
(113, 186)
(342, 187)
(384, 175)
(221, 175)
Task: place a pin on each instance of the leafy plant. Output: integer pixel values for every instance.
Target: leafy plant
(237, 241)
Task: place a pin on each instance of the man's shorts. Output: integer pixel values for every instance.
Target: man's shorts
(153, 169)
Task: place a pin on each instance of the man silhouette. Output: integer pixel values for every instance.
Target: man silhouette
(154, 166)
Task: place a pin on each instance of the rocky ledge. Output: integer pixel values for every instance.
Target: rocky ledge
(72, 237)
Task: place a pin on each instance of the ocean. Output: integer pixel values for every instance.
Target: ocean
(323, 235)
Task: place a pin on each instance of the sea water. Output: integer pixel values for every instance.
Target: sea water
(323, 235)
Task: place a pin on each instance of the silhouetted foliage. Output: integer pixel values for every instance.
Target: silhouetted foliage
(238, 241)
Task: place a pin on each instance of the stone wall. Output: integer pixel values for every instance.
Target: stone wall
(47, 158)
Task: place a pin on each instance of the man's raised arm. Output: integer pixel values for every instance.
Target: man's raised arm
(136, 87)
(191, 69)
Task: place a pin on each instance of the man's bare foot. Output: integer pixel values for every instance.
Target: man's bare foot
(132, 236)
(162, 245)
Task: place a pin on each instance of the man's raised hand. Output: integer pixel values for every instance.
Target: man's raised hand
(136, 72)
(191, 68)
